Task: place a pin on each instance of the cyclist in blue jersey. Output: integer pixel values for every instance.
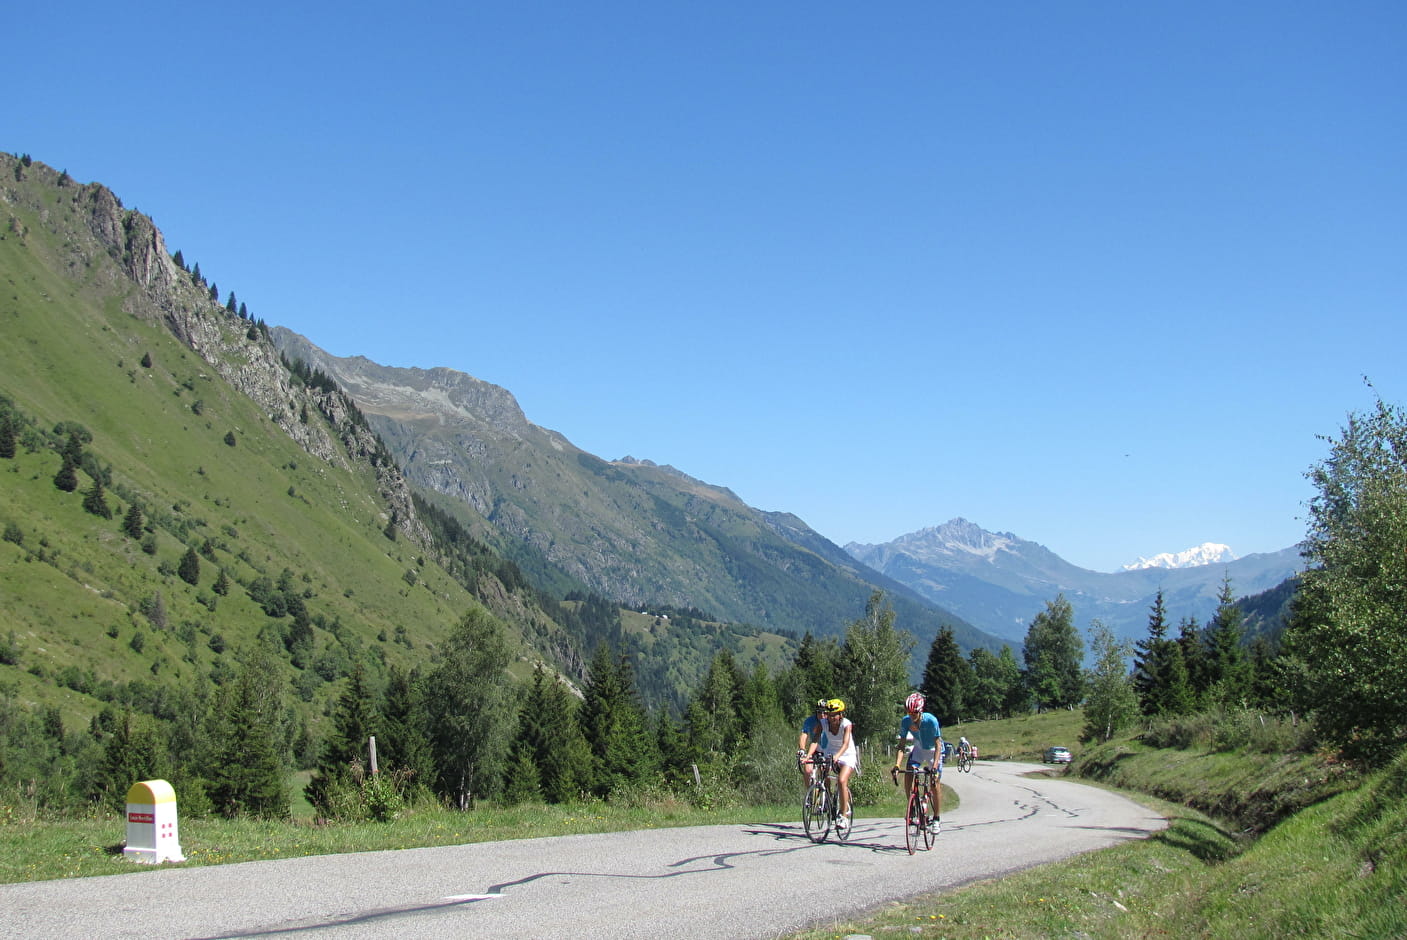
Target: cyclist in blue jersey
(927, 750)
(811, 730)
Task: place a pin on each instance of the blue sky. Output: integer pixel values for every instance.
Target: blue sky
(1098, 274)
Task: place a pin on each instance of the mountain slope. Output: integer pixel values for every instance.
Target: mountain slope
(630, 529)
(185, 411)
(999, 582)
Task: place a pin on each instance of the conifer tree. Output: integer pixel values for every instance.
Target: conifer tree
(222, 583)
(7, 435)
(613, 722)
(95, 500)
(354, 723)
(189, 568)
(247, 766)
(404, 745)
(947, 678)
(67, 477)
(132, 522)
(1230, 673)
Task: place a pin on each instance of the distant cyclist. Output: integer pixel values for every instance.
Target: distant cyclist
(838, 741)
(810, 733)
(964, 746)
(927, 751)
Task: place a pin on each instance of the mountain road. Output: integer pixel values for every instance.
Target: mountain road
(705, 882)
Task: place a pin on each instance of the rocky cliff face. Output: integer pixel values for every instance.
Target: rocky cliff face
(114, 250)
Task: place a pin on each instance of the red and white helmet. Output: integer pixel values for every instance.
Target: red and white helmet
(914, 702)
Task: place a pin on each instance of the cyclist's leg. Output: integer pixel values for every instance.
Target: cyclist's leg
(843, 772)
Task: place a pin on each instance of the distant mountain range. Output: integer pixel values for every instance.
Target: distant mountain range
(1208, 553)
(626, 529)
(999, 582)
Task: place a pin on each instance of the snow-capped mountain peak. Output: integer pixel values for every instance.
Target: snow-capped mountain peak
(1208, 553)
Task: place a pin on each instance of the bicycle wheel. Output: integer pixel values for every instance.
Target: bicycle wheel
(815, 813)
(843, 832)
(915, 825)
(965, 764)
(927, 818)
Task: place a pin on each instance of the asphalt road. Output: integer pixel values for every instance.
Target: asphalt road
(706, 882)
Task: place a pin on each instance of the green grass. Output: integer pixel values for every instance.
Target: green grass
(1024, 738)
(34, 848)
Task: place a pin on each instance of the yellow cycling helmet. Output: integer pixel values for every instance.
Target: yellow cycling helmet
(835, 707)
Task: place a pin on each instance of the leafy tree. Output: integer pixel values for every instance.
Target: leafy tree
(189, 568)
(947, 678)
(994, 680)
(470, 709)
(873, 669)
(1347, 628)
(1053, 654)
(1112, 702)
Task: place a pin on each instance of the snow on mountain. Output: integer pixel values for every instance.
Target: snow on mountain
(1208, 553)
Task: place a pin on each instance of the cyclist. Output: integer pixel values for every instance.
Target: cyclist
(964, 746)
(810, 731)
(927, 749)
(838, 741)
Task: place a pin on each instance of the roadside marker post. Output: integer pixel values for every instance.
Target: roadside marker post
(152, 835)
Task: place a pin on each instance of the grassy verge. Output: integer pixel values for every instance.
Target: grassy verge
(37, 849)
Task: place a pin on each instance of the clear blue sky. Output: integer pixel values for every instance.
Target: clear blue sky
(1098, 274)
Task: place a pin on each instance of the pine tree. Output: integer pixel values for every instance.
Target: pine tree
(95, 500)
(404, 745)
(222, 583)
(947, 678)
(189, 568)
(67, 477)
(132, 522)
(247, 766)
(1230, 673)
(8, 435)
(354, 723)
(613, 723)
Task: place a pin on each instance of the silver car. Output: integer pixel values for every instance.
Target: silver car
(1057, 755)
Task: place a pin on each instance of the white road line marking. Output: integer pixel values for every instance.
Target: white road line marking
(472, 897)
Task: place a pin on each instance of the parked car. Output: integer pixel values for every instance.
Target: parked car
(1057, 755)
